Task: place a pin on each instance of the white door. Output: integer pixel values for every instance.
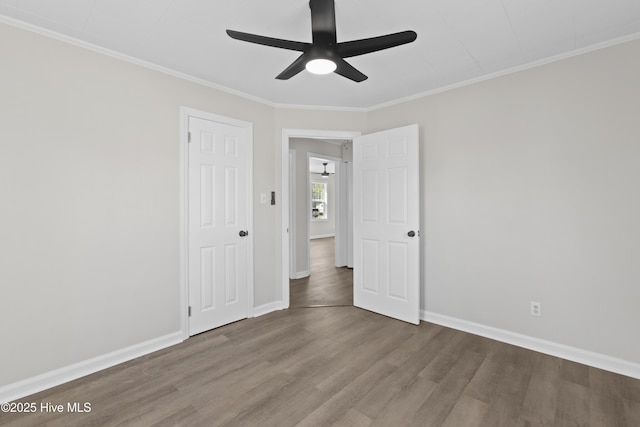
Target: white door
(386, 216)
(219, 214)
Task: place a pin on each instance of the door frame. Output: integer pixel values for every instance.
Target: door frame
(293, 258)
(284, 190)
(185, 113)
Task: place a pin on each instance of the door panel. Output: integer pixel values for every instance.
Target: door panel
(231, 273)
(370, 277)
(219, 201)
(386, 208)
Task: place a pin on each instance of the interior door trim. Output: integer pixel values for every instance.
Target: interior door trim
(282, 276)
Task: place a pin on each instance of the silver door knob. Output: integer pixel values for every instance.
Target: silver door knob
(243, 233)
(411, 233)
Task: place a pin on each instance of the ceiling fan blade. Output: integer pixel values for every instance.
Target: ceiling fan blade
(323, 21)
(293, 69)
(268, 41)
(374, 44)
(349, 71)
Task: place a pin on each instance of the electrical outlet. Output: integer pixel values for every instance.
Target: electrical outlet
(536, 309)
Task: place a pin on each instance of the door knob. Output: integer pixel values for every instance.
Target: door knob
(243, 233)
(411, 233)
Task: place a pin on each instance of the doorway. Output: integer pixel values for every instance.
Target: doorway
(296, 160)
(386, 216)
(318, 279)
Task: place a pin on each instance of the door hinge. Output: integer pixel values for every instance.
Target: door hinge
(189, 311)
(188, 137)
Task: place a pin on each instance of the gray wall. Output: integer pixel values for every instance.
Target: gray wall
(530, 191)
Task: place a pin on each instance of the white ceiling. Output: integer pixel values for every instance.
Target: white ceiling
(458, 40)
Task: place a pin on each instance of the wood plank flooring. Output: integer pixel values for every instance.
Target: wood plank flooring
(342, 366)
(327, 285)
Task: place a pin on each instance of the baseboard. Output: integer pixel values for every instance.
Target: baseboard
(60, 376)
(300, 275)
(267, 308)
(596, 360)
(322, 236)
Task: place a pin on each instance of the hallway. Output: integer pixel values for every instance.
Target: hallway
(327, 285)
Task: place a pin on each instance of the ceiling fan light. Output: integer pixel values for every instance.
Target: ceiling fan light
(325, 174)
(321, 66)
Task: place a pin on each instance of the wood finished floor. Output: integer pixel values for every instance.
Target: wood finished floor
(342, 366)
(327, 285)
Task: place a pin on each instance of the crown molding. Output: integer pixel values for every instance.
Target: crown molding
(155, 67)
(322, 108)
(126, 58)
(512, 70)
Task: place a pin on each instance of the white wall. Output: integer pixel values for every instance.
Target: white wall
(530, 188)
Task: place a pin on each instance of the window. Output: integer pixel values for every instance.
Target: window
(319, 201)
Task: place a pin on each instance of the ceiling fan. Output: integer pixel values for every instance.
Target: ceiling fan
(325, 174)
(325, 55)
